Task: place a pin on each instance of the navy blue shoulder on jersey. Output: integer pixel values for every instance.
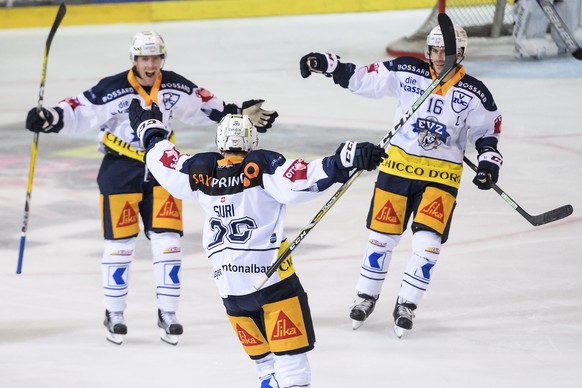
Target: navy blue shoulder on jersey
(109, 88)
(171, 80)
(409, 65)
(267, 160)
(476, 87)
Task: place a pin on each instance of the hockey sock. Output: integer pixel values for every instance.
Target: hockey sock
(376, 261)
(293, 370)
(115, 263)
(167, 255)
(425, 251)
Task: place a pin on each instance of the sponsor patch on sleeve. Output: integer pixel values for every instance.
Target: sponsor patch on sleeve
(204, 94)
(170, 158)
(297, 171)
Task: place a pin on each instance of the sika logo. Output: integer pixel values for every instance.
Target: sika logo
(387, 214)
(246, 339)
(169, 209)
(128, 216)
(435, 210)
(284, 328)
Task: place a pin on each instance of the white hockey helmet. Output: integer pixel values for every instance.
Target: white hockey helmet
(435, 39)
(236, 133)
(147, 43)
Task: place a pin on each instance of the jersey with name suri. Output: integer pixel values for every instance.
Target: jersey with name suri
(244, 201)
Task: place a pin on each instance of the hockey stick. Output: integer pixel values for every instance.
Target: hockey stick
(557, 22)
(450, 63)
(540, 219)
(60, 15)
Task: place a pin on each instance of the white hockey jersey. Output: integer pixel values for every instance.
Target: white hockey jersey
(244, 203)
(105, 106)
(431, 144)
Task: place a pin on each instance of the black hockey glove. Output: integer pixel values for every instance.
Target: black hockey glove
(362, 156)
(46, 120)
(263, 119)
(323, 63)
(147, 124)
(490, 161)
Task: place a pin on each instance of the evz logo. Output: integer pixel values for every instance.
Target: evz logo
(460, 101)
(431, 133)
(170, 99)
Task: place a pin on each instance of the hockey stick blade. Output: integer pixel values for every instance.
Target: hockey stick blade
(540, 219)
(559, 25)
(450, 41)
(57, 22)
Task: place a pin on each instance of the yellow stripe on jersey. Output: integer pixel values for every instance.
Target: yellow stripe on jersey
(399, 163)
(114, 143)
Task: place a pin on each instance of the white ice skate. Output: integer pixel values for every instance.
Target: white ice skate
(361, 309)
(115, 325)
(170, 328)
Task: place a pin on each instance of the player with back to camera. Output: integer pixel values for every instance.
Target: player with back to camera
(243, 192)
(418, 182)
(127, 190)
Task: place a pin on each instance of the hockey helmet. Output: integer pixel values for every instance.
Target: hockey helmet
(236, 133)
(147, 43)
(435, 39)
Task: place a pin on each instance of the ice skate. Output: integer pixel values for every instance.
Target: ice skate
(170, 328)
(269, 381)
(403, 315)
(361, 309)
(115, 325)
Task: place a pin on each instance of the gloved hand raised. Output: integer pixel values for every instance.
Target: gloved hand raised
(46, 120)
(362, 156)
(490, 161)
(323, 63)
(147, 124)
(263, 119)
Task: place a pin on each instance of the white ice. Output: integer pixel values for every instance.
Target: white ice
(504, 308)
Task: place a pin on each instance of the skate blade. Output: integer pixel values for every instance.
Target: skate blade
(399, 331)
(169, 338)
(356, 324)
(117, 339)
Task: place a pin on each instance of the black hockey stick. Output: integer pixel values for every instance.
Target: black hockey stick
(60, 15)
(540, 219)
(450, 62)
(557, 22)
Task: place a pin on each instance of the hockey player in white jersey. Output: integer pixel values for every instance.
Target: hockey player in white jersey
(530, 30)
(127, 190)
(243, 192)
(419, 180)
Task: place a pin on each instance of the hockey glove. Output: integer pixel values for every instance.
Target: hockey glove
(323, 63)
(490, 161)
(263, 119)
(147, 124)
(46, 120)
(362, 156)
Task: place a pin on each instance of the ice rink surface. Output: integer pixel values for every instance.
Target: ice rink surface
(504, 308)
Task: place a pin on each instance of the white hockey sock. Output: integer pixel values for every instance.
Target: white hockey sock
(376, 261)
(115, 263)
(167, 255)
(293, 370)
(425, 252)
(266, 365)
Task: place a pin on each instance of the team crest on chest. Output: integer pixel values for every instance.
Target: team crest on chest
(170, 99)
(431, 133)
(460, 101)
